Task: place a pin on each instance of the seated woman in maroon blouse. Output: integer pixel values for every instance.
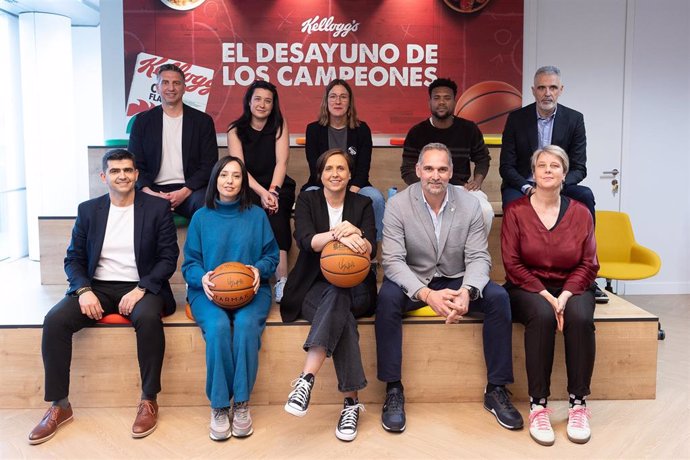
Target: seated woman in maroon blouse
(549, 254)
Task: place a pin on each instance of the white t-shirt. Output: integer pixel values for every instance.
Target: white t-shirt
(335, 215)
(172, 168)
(117, 262)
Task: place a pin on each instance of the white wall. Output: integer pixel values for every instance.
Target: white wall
(88, 99)
(113, 58)
(656, 162)
(625, 66)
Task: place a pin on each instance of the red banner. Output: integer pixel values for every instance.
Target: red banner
(388, 50)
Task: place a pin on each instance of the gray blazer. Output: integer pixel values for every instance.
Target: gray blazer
(411, 255)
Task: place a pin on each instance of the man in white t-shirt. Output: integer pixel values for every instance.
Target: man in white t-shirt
(175, 146)
(122, 253)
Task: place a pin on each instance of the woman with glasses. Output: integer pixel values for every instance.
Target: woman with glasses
(338, 127)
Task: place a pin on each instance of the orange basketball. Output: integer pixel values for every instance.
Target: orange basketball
(488, 104)
(343, 267)
(233, 285)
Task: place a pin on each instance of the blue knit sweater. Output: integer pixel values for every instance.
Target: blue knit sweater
(226, 234)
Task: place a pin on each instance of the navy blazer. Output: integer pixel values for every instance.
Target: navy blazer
(155, 244)
(520, 141)
(359, 145)
(311, 217)
(199, 146)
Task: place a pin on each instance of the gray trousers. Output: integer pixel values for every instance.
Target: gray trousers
(332, 312)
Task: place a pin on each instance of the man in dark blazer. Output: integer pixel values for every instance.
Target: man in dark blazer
(435, 252)
(122, 253)
(542, 123)
(175, 146)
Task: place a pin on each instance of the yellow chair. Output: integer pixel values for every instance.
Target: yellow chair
(620, 256)
(425, 311)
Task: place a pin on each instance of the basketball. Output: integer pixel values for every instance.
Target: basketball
(233, 285)
(488, 104)
(343, 267)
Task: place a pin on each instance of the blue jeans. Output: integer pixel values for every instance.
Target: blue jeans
(497, 331)
(377, 201)
(232, 355)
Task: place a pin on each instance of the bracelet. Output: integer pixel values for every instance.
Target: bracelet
(274, 193)
(427, 296)
(82, 290)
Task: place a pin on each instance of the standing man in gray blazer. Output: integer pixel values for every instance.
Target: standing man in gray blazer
(435, 253)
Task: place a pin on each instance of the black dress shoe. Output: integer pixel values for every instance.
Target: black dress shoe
(600, 296)
(498, 403)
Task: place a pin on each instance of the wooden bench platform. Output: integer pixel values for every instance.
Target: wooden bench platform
(442, 363)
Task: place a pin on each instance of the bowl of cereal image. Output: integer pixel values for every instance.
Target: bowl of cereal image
(182, 5)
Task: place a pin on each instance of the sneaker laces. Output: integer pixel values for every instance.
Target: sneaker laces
(578, 415)
(300, 394)
(349, 416)
(219, 414)
(394, 401)
(503, 398)
(241, 412)
(540, 418)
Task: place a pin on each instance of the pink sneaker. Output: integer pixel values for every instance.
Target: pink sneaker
(540, 425)
(578, 424)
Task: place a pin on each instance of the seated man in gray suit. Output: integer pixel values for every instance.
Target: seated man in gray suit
(435, 253)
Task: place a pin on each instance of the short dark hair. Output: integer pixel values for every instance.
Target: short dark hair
(323, 159)
(212, 188)
(117, 154)
(168, 68)
(444, 83)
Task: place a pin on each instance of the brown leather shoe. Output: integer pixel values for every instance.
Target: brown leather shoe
(53, 419)
(147, 419)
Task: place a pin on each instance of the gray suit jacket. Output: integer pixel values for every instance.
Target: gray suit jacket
(411, 255)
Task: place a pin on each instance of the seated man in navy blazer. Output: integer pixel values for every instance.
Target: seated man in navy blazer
(175, 146)
(542, 123)
(435, 253)
(122, 253)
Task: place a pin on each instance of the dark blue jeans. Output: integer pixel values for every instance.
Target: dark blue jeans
(189, 206)
(393, 303)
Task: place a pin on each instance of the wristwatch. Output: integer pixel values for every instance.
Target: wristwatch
(473, 291)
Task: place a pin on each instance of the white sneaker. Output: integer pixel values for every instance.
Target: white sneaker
(578, 424)
(241, 420)
(540, 425)
(280, 285)
(220, 429)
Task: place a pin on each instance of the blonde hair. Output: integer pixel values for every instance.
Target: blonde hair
(555, 151)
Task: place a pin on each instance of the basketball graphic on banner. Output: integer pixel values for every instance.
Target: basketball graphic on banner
(488, 104)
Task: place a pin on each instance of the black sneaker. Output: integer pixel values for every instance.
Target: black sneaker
(600, 296)
(393, 415)
(349, 416)
(298, 399)
(498, 403)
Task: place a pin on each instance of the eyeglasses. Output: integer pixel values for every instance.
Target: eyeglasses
(338, 97)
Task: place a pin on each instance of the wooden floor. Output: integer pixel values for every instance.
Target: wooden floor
(621, 429)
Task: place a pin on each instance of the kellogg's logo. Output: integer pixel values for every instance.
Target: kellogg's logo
(193, 82)
(318, 24)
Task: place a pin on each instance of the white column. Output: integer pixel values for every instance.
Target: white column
(45, 44)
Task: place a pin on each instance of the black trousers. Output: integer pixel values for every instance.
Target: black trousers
(188, 207)
(535, 312)
(66, 318)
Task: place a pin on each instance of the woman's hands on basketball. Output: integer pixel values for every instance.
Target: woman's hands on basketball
(207, 284)
(343, 229)
(355, 242)
(257, 278)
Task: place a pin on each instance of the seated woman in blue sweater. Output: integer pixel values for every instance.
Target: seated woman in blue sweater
(229, 228)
